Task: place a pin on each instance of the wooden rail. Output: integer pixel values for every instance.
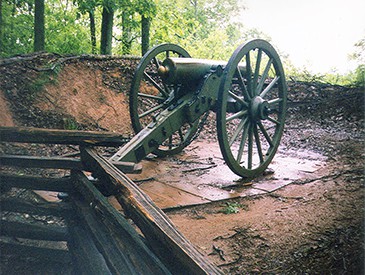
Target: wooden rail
(39, 135)
(100, 240)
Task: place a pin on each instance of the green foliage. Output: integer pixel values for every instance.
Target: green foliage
(232, 208)
(67, 32)
(205, 28)
(191, 23)
(17, 28)
(70, 124)
(196, 25)
(358, 75)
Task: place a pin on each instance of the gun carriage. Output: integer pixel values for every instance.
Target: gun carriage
(171, 94)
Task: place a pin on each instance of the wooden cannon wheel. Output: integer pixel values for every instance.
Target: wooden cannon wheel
(149, 95)
(251, 108)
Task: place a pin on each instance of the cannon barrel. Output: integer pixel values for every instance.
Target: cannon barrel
(189, 70)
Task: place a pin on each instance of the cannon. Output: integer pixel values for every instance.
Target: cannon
(172, 93)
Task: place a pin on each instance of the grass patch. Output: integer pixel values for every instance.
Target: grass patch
(232, 208)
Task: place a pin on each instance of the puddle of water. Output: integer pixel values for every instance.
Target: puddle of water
(199, 175)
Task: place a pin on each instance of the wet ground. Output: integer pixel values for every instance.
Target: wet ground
(199, 175)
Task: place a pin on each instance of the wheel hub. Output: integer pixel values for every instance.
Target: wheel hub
(259, 108)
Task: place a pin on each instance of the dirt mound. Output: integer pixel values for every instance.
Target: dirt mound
(49, 91)
(91, 92)
(6, 119)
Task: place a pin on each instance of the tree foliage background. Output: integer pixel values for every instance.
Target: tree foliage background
(205, 28)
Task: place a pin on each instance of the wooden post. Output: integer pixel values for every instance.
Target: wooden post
(121, 246)
(162, 235)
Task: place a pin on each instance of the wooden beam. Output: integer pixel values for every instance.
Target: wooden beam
(41, 162)
(46, 254)
(85, 256)
(37, 183)
(33, 231)
(61, 163)
(162, 235)
(53, 136)
(44, 208)
(113, 234)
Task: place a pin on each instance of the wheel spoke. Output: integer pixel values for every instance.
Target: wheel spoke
(258, 143)
(158, 98)
(239, 99)
(266, 135)
(157, 63)
(274, 121)
(250, 148)
(242, 143)
(162, 91)
(263, 77)
(274, 105)
(249, 75)
(268, 88)
(241, 82)
(170, 142)
(237, 115)
(275, 101)
(150, 111)
(181, 135)
(257, 68)
(238, 131)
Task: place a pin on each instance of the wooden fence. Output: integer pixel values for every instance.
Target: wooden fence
(99, 238)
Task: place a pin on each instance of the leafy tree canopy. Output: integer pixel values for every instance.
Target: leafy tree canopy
(205, 28)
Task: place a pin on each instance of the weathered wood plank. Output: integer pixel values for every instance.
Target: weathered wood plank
(17, 205)
(85, 256)
(61, 163)
(114, 236)
(159, 231)
(41, 162)
(46, 254)
(53, 136)
(37, 183)
(33, 231)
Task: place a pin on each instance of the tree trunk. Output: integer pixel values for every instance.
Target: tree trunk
(106, 31)
(146, 22)
(92, 31)
(39, 36)
(126, 34)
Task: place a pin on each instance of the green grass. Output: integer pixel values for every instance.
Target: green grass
(232, 208)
